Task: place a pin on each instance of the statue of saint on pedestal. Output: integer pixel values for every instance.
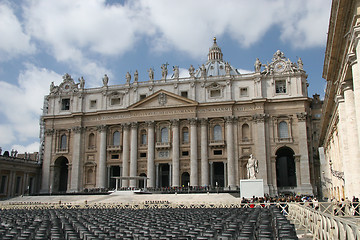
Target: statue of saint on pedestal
(252, 167)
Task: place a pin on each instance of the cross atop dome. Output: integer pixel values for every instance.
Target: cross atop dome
(215, 53)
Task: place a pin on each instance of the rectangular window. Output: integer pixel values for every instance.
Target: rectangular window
(142, 96)
(217, 152)
(65, 104)
(93, 104)
(115, 156)
(244, 92)
(115, 101)
(143, 154)
(3, 184)
(184, 94)
(185, 153)
(215, 93)
(280, 86)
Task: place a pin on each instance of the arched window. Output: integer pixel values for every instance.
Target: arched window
(116, 138)
(91, 140)
(63, 142)
(245, 132)
(185, 135)
(217, 132)
(164, 135)
(143, 137)
(283, 130)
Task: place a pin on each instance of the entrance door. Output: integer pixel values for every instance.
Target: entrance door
(164, 175)
(142, 181)
(61, 175)
(185, 179)
(218, 174)
(114, 172)
(285, 168)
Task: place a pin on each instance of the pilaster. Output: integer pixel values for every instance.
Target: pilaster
(193, 153)
(230, 151)
(101, 173)
(45, 184)
(151, 155)
(175, 153)
(204, 153)
(76, 160)
(133, 153)
(125, 154)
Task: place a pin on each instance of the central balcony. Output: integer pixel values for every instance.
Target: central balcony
(163, 145)
(114, 148)
(217, 143)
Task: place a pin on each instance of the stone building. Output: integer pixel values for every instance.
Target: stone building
(340, 131)
(197, 131)
(19, 174)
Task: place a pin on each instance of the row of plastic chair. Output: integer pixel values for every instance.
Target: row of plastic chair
(202, 223)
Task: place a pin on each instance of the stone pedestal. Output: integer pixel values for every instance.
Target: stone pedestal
(251, 187)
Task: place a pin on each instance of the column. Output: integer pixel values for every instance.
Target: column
(352, 184)
(193, 153)
(175, 153)
(101, 173)
(48, 143)
(125, 155)
(344, 149)
(226, 175)
(230, 152)
(274, 180)
(204, 153)
(304, 183)
(260, 148)
(151, 156)
(76, 161)
(157, 174)
(211, 173)
(133, 154)
(355, 66)
(170, 174)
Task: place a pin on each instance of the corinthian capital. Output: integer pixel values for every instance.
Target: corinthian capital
(49, 132)
(302, 116)
(193, 121)
(77, 129)
(101, 128)
(174, 122)
(260, 117)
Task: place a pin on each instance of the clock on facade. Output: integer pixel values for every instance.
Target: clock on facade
(279, 66)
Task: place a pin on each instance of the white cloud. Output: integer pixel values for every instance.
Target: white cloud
(75, 30)
(14, 41)
(32, 147)
(21, 103)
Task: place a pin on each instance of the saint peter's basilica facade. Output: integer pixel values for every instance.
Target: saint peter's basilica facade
(197, 131)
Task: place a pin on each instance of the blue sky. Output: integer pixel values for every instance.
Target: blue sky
(41, 40)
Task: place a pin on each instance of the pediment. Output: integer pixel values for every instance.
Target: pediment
(161, 99)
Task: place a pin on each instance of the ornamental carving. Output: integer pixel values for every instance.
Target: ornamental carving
(193, 121)
(174, 122)
(101, 128)
(49, 132)
(260, 117)
(162, 99)
(77, 129)
(134, 125)
(204, 121)
(301, 116)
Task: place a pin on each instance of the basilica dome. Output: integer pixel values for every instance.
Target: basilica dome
(215, 66)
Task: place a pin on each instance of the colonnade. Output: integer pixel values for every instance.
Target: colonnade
(130, 155)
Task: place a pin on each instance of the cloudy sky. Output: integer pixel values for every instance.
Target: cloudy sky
(41, 40)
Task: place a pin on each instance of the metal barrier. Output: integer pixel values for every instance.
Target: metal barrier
(324, 225)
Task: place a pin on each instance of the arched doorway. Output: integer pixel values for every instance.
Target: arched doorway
(285, 168)
(61, 174)
(185, 179)
(142, 181)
